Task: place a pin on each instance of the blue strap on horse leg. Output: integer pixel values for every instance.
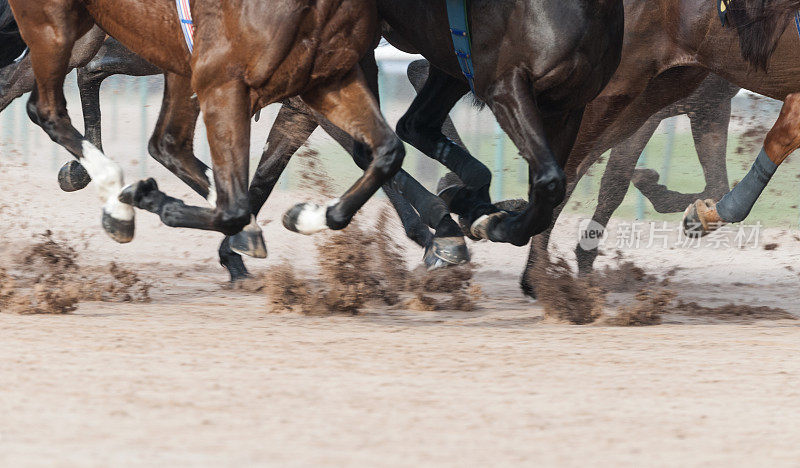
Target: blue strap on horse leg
(736, 204)
(462, 43)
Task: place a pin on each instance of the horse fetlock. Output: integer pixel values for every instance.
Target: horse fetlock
(232, 220)
(336, 218)
(585, 259)
(390, 156)
(551, 186)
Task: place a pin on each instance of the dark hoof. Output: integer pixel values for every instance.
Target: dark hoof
(445, 252)
(481, 227)
(528, 289)
(447, 187)
(73, 177)
(118, 229)
(515, 204)
(643, 177)
(306, 218)
(250, 241)
(134, 192)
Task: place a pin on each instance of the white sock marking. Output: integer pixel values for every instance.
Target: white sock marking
(108, 178)
(212, 188)
(313, 218)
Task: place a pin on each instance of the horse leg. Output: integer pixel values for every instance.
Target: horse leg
(709, 125)
(112, 58)
(705, 216)
(225, 108)
(15, 80)
(543, 144)
(417, 73)
(613, 188)
(50, 34)
(291, 129)
(351, 106)
(422, 125)
(447, 246)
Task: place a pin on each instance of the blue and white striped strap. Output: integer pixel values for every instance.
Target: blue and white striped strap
(187, 25)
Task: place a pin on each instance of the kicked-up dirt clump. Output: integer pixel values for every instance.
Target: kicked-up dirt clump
(743, 312)
(565, 297)
(360, 265)
(47, 279)
(443, 289)
(288, 293)
(647, 309)
(624, 276)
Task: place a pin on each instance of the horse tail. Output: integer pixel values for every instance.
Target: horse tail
(11, 43)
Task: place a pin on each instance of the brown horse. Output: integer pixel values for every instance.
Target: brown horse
(309, 51)
(670, 47)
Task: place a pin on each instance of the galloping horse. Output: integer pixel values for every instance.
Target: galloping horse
(311, 51)
(670, 48)
(552, 79)
(172, 146)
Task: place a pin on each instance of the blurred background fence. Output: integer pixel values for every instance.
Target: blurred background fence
(130, 108)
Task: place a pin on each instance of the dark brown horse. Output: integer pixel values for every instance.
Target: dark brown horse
(670, 47)
(562, 77)
(311, 51)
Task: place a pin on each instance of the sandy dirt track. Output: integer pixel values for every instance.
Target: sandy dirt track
(205, 376)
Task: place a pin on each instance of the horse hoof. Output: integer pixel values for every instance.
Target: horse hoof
(480, 228)
(644, 177)
(120, 230)
(515, 204)
(131, 194)
(696, 222)
(250, 241)
(445, 252)
(306, 218)
(73, 177)
(528, 289)
(448, 186)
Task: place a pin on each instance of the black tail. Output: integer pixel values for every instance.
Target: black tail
(11, 43)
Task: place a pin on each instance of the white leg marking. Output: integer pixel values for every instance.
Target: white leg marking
(313, 217)
(212, 188)
(107, 177)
